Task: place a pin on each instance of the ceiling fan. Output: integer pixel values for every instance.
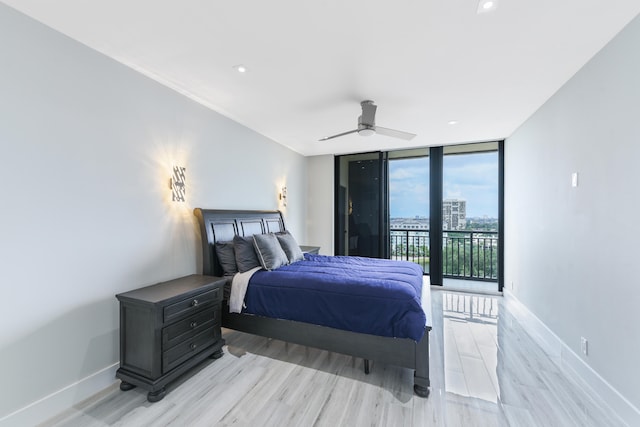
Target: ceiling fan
(367, 125)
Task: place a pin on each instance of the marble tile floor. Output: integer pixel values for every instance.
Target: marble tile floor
(485, 371)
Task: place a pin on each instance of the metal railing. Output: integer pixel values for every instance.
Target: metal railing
(410, 245)
(465, 254)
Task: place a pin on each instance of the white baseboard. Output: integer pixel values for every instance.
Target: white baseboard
(566, 358)
(61, 400)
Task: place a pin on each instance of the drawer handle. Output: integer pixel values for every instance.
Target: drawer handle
(193, 346)
(194, 303)
(193, 324)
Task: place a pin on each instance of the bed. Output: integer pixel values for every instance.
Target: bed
(383, 346)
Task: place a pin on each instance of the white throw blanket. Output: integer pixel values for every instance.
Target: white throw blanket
(239, 289)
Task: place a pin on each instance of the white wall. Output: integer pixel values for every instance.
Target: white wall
(87, 147)
(572, 253)
(320, 203)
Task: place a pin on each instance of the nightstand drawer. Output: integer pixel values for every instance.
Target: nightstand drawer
(184, 329)
(192, 304)
(184, 351)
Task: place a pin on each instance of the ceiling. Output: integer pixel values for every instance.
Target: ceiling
(424, 62)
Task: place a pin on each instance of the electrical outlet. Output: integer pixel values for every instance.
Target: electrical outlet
(512, 285)
(584, 346)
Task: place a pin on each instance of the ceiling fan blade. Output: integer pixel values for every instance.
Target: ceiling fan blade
(340, 134)
(395, 133)
(368, 113)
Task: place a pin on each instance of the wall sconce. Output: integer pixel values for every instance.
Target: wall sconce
(283, 196)
(177, 184)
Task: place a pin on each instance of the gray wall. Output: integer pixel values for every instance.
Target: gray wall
(87, 147)
(320, 201)
(572, 253)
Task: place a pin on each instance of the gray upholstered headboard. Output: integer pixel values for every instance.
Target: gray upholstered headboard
(222, 225)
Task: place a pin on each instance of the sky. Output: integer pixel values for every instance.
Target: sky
(470, 177)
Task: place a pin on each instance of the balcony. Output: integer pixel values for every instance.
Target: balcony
(468, 255)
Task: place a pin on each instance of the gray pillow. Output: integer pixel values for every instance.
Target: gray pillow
(246, 258)
(290, 247)
(269, 251)
(227, 258)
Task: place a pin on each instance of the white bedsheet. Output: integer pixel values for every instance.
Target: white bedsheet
(239, 285)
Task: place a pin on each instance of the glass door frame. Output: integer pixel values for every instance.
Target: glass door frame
(342, 200)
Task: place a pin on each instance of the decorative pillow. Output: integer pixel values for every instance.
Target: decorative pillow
(227, 258)
(269, 251)
(246, 258)
(290, 247)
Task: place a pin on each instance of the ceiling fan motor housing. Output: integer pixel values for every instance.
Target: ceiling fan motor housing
(365, 129)
(367, 121)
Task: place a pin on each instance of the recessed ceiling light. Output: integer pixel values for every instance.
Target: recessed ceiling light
(452, 122)
(240, 68)
(487, 5)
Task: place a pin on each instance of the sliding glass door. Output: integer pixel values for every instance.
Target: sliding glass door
(409, 206)
(361, 205)
(470, 219)
(440, 207)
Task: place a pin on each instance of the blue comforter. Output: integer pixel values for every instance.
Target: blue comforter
(366, 295)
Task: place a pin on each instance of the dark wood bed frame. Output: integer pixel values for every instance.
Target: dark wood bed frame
(223, 225)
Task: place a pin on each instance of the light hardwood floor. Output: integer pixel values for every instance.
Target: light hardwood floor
(485, 371)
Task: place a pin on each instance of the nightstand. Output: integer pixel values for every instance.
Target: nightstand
(166, 329)
(310, 249)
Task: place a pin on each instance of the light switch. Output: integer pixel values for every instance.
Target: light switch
(574, 179)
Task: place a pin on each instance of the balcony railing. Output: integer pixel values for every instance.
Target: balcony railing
(465, 254)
